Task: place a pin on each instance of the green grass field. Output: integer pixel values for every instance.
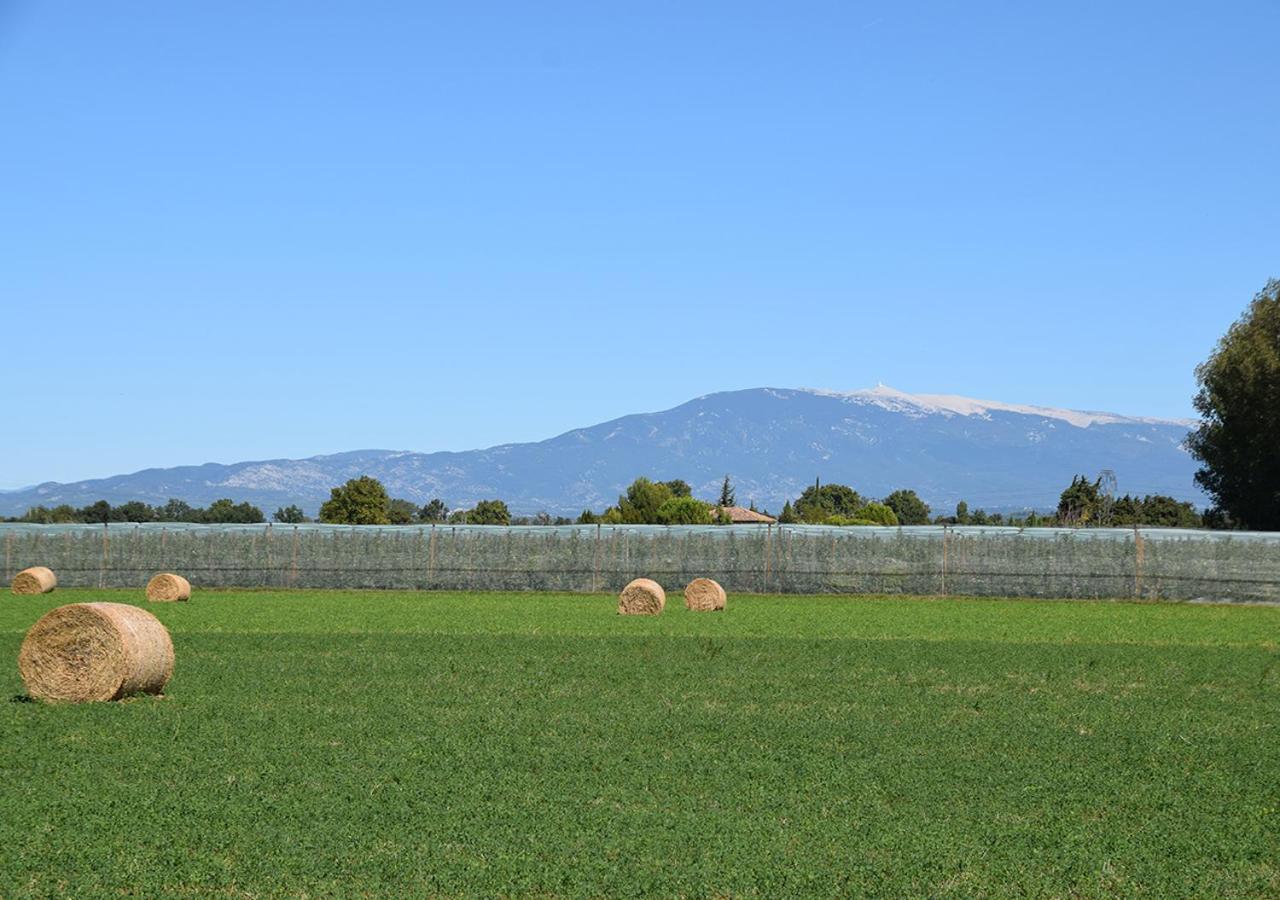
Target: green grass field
(344, 743)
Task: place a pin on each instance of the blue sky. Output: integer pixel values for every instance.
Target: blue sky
(248, 230)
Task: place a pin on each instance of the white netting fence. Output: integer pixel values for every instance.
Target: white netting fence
(1040, 562)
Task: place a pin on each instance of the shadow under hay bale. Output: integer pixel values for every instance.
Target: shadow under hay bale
(642, 597)
(36, 580)
(95, 651)
(167, 587)
(704, 595)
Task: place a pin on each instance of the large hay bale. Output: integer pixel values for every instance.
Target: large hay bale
(36, 580)
(642, 597)
(167, 587)
(95, 651)
(704, 595)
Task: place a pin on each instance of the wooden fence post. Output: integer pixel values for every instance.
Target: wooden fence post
(1139, 552)
(595, 566)
(768, 551)
(270, 561)
(106, 555)
(431, 558)
(946, 547)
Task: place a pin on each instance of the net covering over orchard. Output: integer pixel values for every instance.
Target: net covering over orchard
(977, 561)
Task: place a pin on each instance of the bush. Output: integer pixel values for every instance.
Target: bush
(684, 511)
(877, 514)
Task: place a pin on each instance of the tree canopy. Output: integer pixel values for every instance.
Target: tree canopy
(361, 501)
(1238, 440)
(908, 507)
(820, 502)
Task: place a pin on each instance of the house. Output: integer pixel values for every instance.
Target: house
(740, 515)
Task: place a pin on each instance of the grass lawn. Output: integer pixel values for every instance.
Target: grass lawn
(344, 743)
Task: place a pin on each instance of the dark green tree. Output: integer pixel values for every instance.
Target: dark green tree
(489, 512)
(177, 511)
(401, 512)
(678, 487)
(225, 511)
(822, 501)
(588, 518)
(136, 511)
(99, 513)
(1126, 511)
(1165, 512)
(908, 507)
(1238, 439)
(64, 512)
(289, 515)
(1078, 504)
(728, 496)
(962, 513)
(643, 499)
(435, 511)
(788, 515)
(361, 501)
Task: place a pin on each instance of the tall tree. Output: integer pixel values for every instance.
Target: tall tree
(361, 501)
(435, 511)
(728, 496)
(289, 515)
(1238, 440)
(678, 487)
(642, 501)
(822, 501)
(1078, 504)
(489, 512)
(908, 507)
(401, 512)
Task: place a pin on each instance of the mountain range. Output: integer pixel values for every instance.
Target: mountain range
(773, 442)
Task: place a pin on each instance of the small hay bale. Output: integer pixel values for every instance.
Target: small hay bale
(95, 651)
(167, 587)
(36, 580)
(704, 595)
(642, 597)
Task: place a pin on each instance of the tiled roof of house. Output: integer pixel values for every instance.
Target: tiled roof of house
(740, 515)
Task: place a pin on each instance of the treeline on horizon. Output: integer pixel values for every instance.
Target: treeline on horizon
(365, 501)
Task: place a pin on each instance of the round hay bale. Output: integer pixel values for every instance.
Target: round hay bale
(36, 580)
(642, 597)
(704, 595)
(167, 587)
(95, 651)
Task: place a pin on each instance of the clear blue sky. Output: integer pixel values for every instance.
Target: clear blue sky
(243, 230)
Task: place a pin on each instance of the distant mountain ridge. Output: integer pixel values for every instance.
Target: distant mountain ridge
(773, 441)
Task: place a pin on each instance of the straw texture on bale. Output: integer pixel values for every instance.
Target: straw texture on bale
(36, 580)
(95, 651)
(642, 597)
(704, 595)
(168, 587)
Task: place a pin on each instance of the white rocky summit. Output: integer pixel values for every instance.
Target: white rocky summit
(895, 400)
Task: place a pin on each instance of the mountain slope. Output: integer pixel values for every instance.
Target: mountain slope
(774, 442)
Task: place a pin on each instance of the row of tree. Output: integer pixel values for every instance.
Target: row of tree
(365, 501)
(219, 511)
